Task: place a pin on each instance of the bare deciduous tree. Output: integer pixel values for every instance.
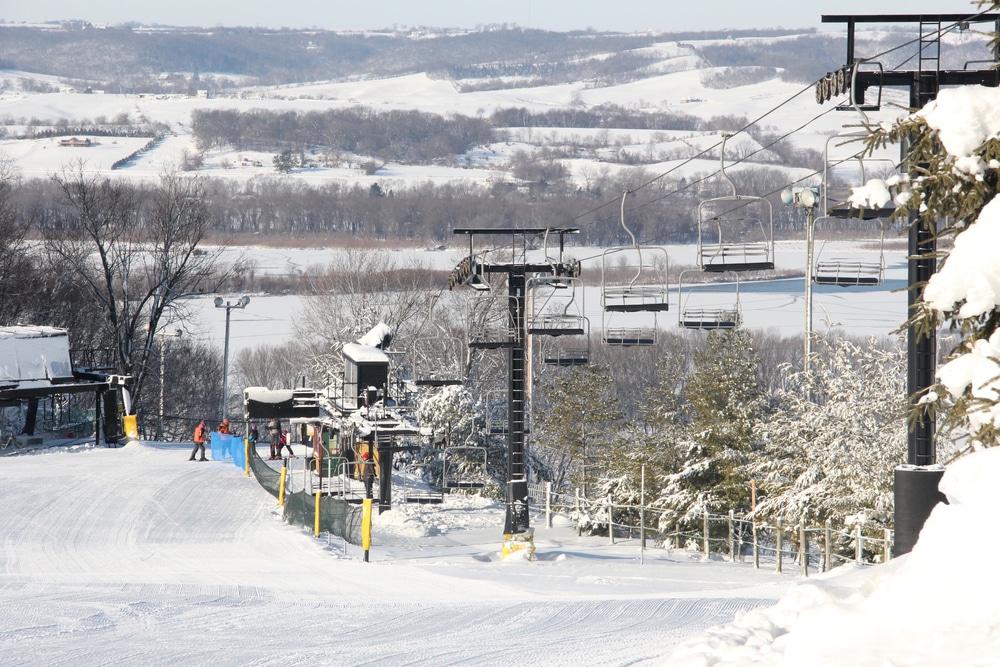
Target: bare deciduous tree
(136, 253)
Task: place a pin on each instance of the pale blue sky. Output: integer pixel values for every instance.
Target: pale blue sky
(627, 15)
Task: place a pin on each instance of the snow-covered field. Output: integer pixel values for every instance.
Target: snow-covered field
(678, 89)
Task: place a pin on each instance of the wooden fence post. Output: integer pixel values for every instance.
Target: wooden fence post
(705, 535)
(888, 545)
(803, 547)
(548, 504)
(611, 519)
(578, 512)
(732, 539)
(756, 552)
(777, 537)
(827, 546)
(642, 510)
(858, 547)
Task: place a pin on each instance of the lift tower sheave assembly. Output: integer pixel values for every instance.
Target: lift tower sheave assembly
(916, 482)
(511, 261)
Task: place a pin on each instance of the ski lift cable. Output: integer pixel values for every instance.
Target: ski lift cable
(716, 173)
(943, 31)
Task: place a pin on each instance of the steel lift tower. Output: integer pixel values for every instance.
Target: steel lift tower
(509, 259)
(916, 483)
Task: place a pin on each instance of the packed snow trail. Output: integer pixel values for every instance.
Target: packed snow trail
(137, 555)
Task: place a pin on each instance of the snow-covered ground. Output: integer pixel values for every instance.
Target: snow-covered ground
(139, 556)
(679, 89)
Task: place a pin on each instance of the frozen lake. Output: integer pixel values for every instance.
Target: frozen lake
(776, 305)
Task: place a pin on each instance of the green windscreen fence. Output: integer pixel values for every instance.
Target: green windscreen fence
(336, 516)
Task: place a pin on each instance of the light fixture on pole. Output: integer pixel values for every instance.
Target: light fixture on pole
(163, 367)
(806, 198)
(219, 303)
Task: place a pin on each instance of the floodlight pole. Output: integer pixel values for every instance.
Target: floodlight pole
(806, 198)
(810, 233)
(163, 367)
(240, 303)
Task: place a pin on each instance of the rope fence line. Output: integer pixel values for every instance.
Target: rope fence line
(808, 546)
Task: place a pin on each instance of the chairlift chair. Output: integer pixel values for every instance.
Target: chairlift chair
(464, 467)
(555, 307)
(837, 193)
(496, 412)
(413, 494)
(634, 278)
(620, 330)
(735, 232)
(491, 323)
(437, 361)
(848, 270)
(569, 350)
(703, 317)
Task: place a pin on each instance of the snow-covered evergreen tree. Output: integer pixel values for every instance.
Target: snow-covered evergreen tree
(830, 447)
(955, 140)
(725, 400)
(579, 433)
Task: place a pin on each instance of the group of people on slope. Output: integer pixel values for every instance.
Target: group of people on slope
(279, 438)
(201, 435)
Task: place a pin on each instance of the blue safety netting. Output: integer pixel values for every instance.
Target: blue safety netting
(227, 447)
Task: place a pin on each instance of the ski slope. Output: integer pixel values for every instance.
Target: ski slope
(138, 556)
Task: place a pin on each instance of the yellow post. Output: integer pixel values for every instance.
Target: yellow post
(316, 524)
(131, 431)
(366, 525)
(281, 487)
(246, 452)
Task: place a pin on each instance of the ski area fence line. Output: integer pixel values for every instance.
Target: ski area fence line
(819, 547)
(334, 516)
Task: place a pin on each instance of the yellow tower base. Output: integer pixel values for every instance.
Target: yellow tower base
(519, 545)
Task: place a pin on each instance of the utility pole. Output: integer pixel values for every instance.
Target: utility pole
(916, 482)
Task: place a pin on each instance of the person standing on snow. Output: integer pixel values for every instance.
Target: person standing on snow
(368, 473)
(224, 427)
(199, 441)
(284, 443)
(274, 430)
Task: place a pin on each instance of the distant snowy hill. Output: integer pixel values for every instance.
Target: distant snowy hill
(662, 76)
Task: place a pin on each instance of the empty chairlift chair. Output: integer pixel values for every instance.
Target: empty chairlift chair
(464, 467)
(556, 308)
(735, 232)
(708, 306)
(492, 321)
(843, 178)
(568, 350)
(436, 358)
(850, 267)
(634, 288)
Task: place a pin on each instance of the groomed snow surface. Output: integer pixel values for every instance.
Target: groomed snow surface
(138, 556)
